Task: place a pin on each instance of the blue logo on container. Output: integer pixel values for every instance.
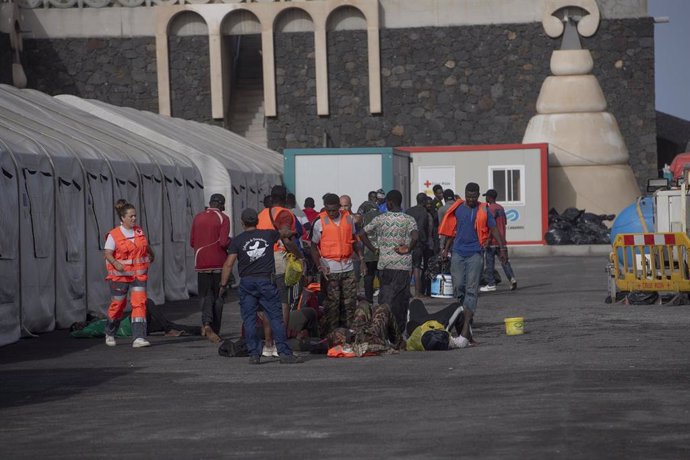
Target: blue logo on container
(512, 215)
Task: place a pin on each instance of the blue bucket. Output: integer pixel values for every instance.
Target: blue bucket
(442, 287)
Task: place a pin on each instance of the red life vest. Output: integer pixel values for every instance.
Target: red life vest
(132, 254)
(336, 240)
(267, 223)
(449, 224)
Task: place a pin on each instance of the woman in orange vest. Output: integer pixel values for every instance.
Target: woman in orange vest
(127, 256)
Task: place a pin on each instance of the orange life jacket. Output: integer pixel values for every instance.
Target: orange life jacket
(449, 224)
(336, 240)
(267, 223)
(132, 254)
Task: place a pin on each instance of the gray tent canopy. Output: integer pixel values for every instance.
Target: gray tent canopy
(251, 169)
(62, 169)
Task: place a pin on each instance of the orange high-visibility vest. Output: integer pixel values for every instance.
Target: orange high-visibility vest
(449, 224)
(132, 254)
(336, 240)
(266, 223)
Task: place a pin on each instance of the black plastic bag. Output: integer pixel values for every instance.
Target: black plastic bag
(571, 215)
(231, 349)
(642, 298)
(557, 236)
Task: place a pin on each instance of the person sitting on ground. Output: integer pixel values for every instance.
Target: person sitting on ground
(373, 330)
(303, 325)
(157, 322)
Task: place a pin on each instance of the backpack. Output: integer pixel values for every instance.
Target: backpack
(231, 349)
(416, 340)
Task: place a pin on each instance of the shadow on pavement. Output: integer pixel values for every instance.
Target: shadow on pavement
(36, 386)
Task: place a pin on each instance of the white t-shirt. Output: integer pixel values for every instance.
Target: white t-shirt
(110, 241)
(335, 266)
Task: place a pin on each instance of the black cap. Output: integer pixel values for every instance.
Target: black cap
(278, 190)
(380, 193)
(448, 194)
(435, 339)
(217, 198)
(492, 193)
(250, 216)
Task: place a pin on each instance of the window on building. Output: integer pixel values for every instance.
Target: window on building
(509, 182)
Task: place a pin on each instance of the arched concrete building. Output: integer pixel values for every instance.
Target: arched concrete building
(338, 73)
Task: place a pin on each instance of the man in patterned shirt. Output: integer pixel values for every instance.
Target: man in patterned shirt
(396, 236)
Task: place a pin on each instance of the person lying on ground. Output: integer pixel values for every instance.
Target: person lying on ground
(450, 318)
(373, 330)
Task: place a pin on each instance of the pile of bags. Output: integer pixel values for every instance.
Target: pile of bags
(575, 226)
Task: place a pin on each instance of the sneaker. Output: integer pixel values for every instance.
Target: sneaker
(255, 359)
(376, 293)
(458, 342)
(110, 340)
(513, 284)
(270, 351)
(290, 359)
(140, 343)
(487, 288)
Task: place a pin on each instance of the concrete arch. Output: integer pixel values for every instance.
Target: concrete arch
(182, 20)
(370, 12)
(338, 9)
(298, 14)
(267, 14)
(247, 22)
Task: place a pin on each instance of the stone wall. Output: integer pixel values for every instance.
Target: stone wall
(440, 86)
(5, 59)
(457, 85)
(117, 71)
(190, 78)
(122, 71)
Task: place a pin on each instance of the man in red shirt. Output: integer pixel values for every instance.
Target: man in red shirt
(492, 249)
(210, 238)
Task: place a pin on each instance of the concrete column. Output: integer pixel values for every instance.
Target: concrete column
(215, 51)
(163, 70)
(321, 67)
(268, 61)
(374, 55)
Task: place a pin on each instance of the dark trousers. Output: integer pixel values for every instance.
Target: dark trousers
(211, 311)
(262, 290)
(395, 292)
(369, 281)
(419, 315)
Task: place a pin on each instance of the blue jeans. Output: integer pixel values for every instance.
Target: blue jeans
(262, 290)
(491, 253)
(466, 273)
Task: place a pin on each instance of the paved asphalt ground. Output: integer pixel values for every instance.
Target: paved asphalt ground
(587, 380)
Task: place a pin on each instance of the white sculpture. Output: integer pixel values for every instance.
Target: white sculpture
(588, 159)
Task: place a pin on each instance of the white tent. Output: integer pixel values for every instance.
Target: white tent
(242, 171)
(62, 169)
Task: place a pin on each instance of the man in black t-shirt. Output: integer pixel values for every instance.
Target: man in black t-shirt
(253, 252)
